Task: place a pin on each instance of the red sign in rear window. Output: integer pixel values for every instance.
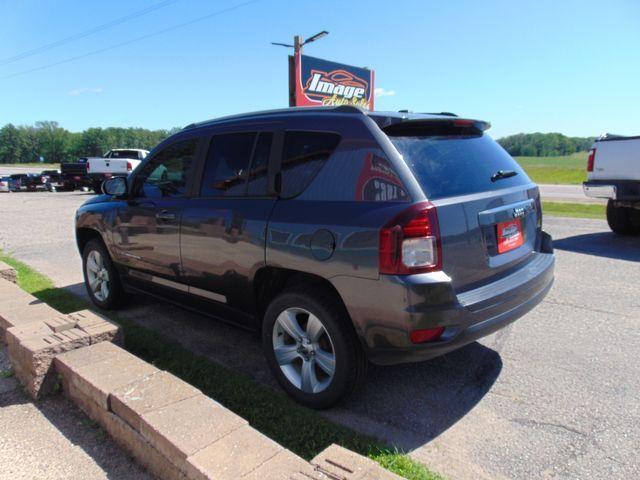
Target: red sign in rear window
(509, 235)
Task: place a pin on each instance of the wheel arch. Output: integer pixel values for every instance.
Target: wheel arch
(84, 235)
(269, 282)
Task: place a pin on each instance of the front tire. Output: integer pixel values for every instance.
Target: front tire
(311, 348)
(620, 219)
(101, 279)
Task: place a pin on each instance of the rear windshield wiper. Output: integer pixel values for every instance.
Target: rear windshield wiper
(500, 174)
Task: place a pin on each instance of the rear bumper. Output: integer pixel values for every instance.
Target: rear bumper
(622, 190)
(599, 191)
(428, 301)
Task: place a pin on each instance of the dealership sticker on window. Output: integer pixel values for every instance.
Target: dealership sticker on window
(509, 235)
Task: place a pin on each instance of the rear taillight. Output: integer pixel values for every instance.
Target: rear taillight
(87, 165)
(129, 167)
(591, 160)
(410, 243)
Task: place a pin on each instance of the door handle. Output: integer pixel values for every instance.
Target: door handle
(165, 215)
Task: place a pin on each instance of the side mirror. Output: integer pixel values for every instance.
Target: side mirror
(116, 186)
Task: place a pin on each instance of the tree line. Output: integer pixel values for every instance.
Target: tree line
(26, 143)
(544, 144)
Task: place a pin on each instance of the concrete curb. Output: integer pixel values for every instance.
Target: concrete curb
(170, 427)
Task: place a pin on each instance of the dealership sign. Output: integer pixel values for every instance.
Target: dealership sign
(317, 82)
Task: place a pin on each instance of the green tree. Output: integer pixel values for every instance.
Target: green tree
(11, 144)
(54, 141)
(544, 144)
(56, 144)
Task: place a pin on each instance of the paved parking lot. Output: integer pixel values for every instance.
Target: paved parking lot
(567, 193)
(553, 396)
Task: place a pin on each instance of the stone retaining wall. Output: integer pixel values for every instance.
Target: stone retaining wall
(170, 427)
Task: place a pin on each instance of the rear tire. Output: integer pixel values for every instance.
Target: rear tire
(327, 345)
(620, 219)
(101, 278)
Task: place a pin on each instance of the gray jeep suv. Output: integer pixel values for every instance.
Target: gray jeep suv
(343, 236)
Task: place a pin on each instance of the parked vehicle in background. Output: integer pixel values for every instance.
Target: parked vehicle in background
(36, 181)
(613, 172)
(5, 184)
(73, 176)
(26, 181)
(20, 181)
(115, 163)
(344, 236)
(52, 179)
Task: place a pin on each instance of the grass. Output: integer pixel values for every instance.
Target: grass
(297, 428)
(568, 169)
(576, 210)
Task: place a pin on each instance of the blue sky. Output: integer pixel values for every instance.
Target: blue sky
(566, 66)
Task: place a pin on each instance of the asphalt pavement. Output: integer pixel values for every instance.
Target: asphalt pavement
(566, 193)
(4, 170)
(555, 395)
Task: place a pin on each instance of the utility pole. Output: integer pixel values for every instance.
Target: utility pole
(298, 43)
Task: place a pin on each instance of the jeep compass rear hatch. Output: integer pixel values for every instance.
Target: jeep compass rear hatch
(487, 207)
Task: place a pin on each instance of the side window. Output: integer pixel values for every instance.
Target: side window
(225, 172)
(166, 174)
(257, 181)
(303, 155)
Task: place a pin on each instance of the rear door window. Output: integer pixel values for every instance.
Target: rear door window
(450, 165)
(303, 155)
(258, 173)
(228, 160)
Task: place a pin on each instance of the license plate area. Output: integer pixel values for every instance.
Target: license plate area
(509, 235)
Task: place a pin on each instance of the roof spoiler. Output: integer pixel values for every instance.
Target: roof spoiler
(409, 126)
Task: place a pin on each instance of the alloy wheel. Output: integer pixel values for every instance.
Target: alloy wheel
(304, 350)
(97, 275)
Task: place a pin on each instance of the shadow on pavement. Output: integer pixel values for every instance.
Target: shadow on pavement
(602, 244)
(419, 401)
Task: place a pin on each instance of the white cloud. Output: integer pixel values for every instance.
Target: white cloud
(80, 91)
(381, 92)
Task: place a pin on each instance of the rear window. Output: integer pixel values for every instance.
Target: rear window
(451, 165)
(302, 158)
(133, 154)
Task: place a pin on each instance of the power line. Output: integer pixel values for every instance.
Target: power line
(128, 42)
(86, 33)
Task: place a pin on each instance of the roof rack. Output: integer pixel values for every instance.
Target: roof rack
(448, 114)
(290, 110)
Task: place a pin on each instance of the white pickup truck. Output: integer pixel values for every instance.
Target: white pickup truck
(613, 172)
(118, 162)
